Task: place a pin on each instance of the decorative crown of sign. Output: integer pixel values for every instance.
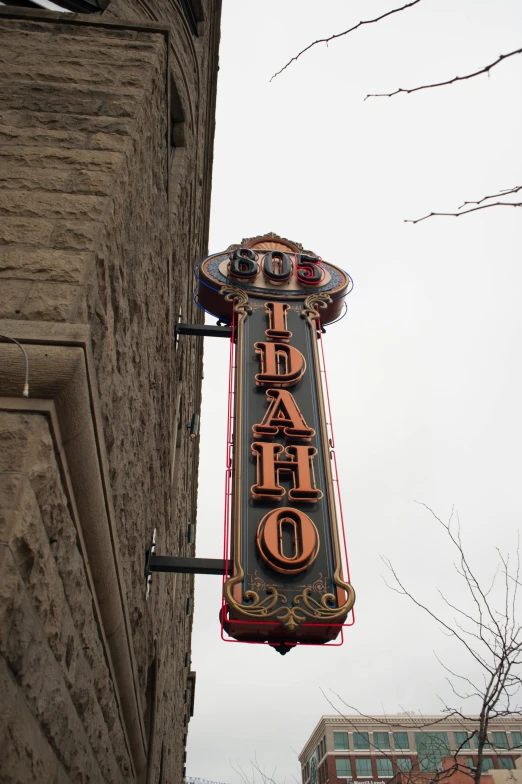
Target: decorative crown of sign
(270, 237)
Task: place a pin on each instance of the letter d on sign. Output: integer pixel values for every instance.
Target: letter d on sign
(281, 365)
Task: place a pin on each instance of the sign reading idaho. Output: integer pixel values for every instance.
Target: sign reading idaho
(286, 582)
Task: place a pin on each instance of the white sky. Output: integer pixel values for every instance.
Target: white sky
(424, 371)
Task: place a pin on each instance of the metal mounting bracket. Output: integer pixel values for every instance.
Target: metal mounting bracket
(178, 564)
(204, 330)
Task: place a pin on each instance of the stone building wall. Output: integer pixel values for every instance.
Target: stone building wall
(106, 132)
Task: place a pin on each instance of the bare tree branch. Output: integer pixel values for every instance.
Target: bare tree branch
(345, 32)
(242, 775)
(473, 653)
(265, 776)
(465, 212)
(485, 69)
(499, 195)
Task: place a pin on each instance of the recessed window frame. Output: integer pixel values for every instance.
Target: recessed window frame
(359, 763)
(72, 6)
(516, 739)
(193, 13)
(343, 762)
(462, 740)
(381, 741)
(431, 747)
(499, 740)
(398, 744)
(384, 762)
(361, 741)
(337, 740)
(176, 130)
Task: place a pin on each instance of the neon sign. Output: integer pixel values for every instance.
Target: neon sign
(288, 581)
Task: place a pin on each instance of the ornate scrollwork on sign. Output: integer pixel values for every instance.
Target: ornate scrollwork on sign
(258, 584)
(309, 311)
(240, 297)
(305, 606)
(258, 608)
(319, 586)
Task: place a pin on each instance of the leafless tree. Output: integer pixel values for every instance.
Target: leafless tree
(257, 773)
(490, 632)
(496, 199)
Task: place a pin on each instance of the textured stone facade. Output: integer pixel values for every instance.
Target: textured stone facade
(106, 133)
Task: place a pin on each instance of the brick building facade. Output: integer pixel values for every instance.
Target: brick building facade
(106, 144)
(379, 748)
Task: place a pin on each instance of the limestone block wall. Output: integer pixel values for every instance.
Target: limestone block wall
(61, 716)
(101, 222)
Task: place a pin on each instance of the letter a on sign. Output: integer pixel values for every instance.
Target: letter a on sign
(283, 416)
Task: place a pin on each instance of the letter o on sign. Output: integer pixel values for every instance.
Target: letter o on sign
(287, 540)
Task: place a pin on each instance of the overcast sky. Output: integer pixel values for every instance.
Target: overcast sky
(425, 370)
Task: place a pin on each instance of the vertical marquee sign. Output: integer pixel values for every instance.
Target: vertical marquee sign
(286, 583)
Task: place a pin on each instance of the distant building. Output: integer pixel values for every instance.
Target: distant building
(376, 748)
(459, 772)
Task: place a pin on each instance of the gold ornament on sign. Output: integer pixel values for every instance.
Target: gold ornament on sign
(305, 606)
(309, 311)
(271, 241)
(231, 294)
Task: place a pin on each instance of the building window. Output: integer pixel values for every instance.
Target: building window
(177, 121)
(384, 768)
(487, 764)
(313, 769)
(470, 763)
(381, 740)
(363, 767)
(403, 764)
(341, 741)
(343, 768)
(76, 6)
(462, 740)
(516, 740)
(431, 748)
(361, 741)
(499, 740)
(193, 13)
(506, 763)
(400, 740)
